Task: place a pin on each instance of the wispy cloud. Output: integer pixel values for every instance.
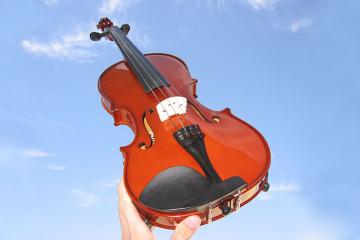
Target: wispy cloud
(263, 4)
(83, 198)
(212, 4)
(108, 7)
(281, 14)
(279, 189)
(300, 25)
(74, 46)
(36, 153)
(20, 160)
(285, 187)
(50, 2)
(137, 35)
(222, 4)
(56, 167)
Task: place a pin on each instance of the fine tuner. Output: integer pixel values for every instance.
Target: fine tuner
(185, 159)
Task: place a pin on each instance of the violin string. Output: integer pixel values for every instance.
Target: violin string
(191, 118)
(166, 87)
(128, 57)
(171, 93)
(158, 87)
(140, 57)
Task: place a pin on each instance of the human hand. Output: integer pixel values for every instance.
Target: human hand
(134, 228)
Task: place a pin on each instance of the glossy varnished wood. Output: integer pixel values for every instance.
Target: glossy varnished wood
(234, 147)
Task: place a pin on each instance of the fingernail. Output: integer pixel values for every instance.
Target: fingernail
(193, 222)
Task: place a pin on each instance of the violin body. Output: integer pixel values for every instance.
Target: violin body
(221, 165)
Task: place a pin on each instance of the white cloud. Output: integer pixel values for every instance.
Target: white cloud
(84, 199)
(266, 5)
(50, 2)
(18, 160)
(36, 153)
(74, 46)
(56, 167)
(108, 7)
(277, 12)
(263, 4)
(285, 187)
(212, 4)
(300, 24)
(280, 189)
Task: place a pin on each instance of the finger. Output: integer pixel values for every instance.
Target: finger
(125, 232)
(126, 206)
(135, 224)
(186, 228)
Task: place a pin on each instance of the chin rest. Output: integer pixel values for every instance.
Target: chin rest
(180, 188)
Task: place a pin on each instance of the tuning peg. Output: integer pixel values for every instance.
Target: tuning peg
(125, 28)
(95, 36)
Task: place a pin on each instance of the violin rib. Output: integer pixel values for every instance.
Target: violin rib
(185, 159)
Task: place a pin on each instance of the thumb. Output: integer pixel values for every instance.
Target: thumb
(186, 228)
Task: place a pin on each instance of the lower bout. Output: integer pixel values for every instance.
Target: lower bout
(208, 213)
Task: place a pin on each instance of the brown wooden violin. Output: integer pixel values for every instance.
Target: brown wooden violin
(185, 159)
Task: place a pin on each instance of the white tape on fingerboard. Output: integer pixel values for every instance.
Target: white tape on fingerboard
(171, 106)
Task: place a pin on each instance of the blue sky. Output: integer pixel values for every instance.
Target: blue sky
(290, 68)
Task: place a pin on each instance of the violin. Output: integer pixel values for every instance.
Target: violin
(185, 159)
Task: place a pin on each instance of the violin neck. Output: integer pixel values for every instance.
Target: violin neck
(149, 77)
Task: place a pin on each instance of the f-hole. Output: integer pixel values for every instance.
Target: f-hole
(149, 130)
(215, 119)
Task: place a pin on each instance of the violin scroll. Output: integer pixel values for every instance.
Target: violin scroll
(103, 25)
(204, 162)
